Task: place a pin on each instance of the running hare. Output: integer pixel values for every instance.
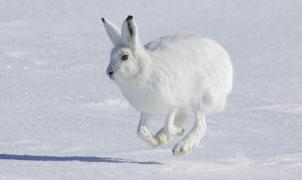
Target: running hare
(166, 76)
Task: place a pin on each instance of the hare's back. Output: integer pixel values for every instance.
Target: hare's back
(186, 48)
(192, 65)
(188, 51)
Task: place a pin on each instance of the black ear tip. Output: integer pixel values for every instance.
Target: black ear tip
(129, 17)
(103, 19)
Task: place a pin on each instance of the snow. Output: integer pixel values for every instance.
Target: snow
(62, 118)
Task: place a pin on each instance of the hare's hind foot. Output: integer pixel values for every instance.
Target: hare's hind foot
(193, 138)
(187, 144)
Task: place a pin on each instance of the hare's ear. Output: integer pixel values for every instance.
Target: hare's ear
(113, 32)
(130, 32)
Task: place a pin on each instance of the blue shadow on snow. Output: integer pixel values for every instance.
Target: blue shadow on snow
(74, 158)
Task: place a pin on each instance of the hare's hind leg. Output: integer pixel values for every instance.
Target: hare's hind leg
(193, 138)
(144, 133)
(173, 126)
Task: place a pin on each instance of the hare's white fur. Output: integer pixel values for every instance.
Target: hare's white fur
(166, 76)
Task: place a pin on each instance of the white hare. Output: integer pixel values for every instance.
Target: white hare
(166, 76)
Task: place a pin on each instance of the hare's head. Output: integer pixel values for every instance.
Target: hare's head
(127, 53)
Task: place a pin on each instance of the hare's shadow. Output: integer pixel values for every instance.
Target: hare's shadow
(74, 158)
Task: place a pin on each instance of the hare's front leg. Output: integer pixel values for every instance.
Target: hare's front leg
(173, 126)
(193, 138)
(144, 133)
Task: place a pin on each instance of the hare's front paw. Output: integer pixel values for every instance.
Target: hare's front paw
(162, 137)
(147, 136)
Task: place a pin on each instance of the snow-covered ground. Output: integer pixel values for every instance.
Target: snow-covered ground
(62, 118)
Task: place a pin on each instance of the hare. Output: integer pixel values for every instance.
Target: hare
(166, 76)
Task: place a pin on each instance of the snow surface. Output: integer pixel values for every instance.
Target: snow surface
(62, 118)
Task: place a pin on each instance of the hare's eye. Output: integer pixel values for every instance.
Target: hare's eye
(124, 57)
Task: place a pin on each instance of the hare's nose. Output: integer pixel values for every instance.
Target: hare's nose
(110, 73)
